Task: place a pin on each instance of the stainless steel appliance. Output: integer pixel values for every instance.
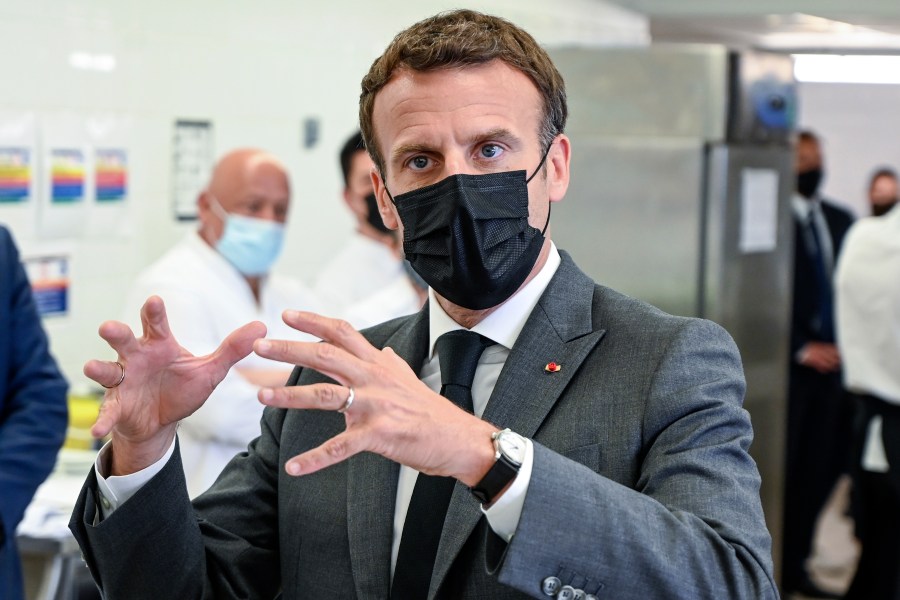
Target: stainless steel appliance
(680, 195)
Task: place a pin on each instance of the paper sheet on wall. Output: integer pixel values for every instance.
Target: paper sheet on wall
(49, 277)
(64, 177)
(15, 175)
(111, 206)
(192, 162)
(18, 172)
(110, 174)
(759, 210)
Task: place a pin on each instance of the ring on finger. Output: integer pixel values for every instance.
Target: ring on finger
(121, 378)
(349, 401)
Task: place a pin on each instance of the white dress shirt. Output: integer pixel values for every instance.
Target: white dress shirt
(804, 209)
(206, 298)
(868, 318)
(502, 326)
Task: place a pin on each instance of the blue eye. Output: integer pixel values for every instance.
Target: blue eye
(419, 162)
(491, 150)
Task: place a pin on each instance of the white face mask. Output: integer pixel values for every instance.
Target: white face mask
(251, 245)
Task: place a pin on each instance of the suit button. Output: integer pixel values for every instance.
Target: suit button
(566, 593)
(551, 585)
(579, 594)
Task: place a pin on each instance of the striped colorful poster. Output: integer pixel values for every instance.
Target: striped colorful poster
(111, 172)
(15, 175)
(49, 277)
(66, 175)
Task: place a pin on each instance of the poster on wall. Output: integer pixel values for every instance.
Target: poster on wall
(15, 175)
(110, 174)
(18, 172)
(110, 197)
(49, 277)
(66, 175)
(192, 162)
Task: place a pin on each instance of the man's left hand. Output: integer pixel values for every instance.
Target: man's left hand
(393, 413)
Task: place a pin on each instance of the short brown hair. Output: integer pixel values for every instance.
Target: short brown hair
(459, 38)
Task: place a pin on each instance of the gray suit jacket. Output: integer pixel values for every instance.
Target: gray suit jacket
(641, 487)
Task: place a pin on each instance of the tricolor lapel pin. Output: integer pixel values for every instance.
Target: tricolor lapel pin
(552, 367)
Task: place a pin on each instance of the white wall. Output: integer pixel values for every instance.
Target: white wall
(257, 70)
(860, 131)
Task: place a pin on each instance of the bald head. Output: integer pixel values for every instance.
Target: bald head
(247, 182)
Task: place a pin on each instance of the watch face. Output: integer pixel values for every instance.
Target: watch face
(512, 446)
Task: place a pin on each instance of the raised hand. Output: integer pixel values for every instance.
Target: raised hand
(163, 383)
(393, 413)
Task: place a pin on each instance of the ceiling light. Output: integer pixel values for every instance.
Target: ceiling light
(855, 68)
(92, 62)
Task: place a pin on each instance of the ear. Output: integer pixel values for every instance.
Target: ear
(347, 200)
(204, 210)
(210, 227)
(558, 161)
(386, 207)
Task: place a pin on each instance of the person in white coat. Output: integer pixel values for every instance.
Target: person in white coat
(366, 282)
(218, 278)
(868, 320)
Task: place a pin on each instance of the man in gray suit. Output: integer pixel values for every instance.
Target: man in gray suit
(599, 451)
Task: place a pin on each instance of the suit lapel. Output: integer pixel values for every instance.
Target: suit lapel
(372, 486)
(560, 330)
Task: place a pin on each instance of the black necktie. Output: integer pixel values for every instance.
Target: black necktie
(458, 352)
(823, 282)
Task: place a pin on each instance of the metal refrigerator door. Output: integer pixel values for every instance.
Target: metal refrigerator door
(631, 217)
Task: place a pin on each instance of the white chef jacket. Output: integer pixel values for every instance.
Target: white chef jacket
(361, 269)
(206, 299)
(396, 299)
(868, 318)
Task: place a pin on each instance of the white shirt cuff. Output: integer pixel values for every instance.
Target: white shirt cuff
(117, 489)
(503, 515)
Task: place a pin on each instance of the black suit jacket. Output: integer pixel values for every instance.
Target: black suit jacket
(806, 302)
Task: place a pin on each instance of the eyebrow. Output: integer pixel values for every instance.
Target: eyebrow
(499, 133)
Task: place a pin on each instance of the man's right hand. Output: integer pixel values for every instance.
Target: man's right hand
(821, 356)
(163, 384)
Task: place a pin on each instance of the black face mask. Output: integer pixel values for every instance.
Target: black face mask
(373, 217)
(468, 236)
(808, 182)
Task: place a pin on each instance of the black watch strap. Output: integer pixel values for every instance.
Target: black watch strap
(500, 474)
(495, 480)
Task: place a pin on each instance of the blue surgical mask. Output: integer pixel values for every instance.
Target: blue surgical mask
(251, 245)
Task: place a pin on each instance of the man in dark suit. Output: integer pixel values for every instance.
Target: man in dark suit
(819, 418)
(583, 444)
(33, 412)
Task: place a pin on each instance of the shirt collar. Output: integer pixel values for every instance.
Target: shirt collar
(504, 324)
(803, 207)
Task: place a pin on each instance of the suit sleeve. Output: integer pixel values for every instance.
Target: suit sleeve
(33, 411)
(225, 545)
(691, 528)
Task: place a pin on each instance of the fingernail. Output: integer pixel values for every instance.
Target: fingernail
(263, 345)
(293, 468)
(266, 394)
(291, 314)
